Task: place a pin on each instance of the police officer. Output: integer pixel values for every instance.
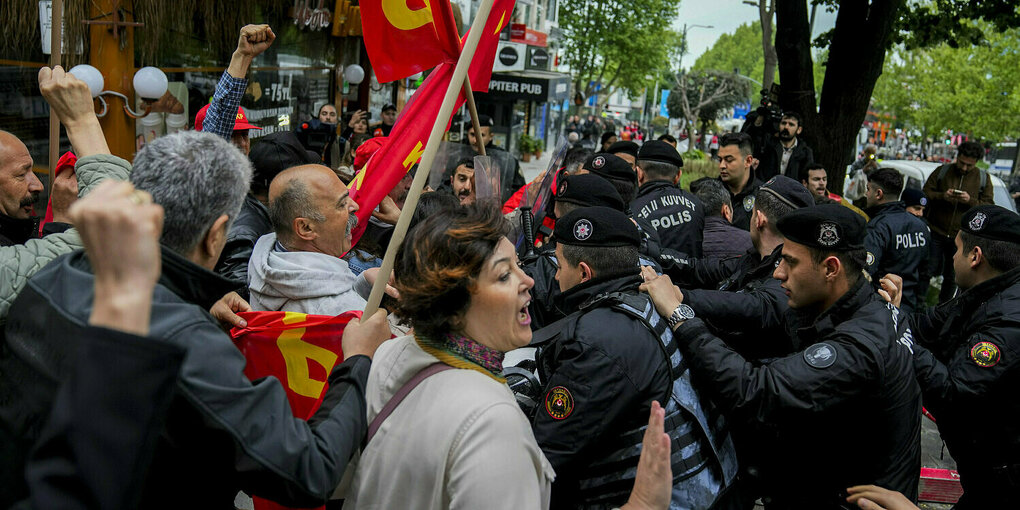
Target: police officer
(897, 241)
(965, 359)
(844, 408)
(737, 173)
(574, 192)
(602, 366)
(677, 215)
(620, 174)
(738, 297)
(625, 150)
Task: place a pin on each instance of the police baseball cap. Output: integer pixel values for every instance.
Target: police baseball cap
(598, 227)
(913, 196)
(587, 190)
(828, 227)
(788, 191)
(389, 106)
(240, 119)
(625, 147)
(610, 167)
(992, 222)
(655, 150)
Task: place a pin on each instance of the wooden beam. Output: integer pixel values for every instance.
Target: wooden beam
(118, 68)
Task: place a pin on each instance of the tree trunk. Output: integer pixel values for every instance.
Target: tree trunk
(854, 65)
(769, 50)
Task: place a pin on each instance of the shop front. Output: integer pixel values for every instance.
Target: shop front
(526, 102)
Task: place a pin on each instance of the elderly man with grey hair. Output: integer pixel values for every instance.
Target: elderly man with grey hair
(223, 432)
(298, 267)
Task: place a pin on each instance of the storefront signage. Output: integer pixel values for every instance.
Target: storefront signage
(307, 17)
(510, 56)
(528, 88)
(538, 58)
(518, 31)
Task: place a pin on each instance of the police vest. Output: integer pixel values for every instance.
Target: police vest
(707, 462)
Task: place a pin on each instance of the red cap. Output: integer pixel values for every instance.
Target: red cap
(366, 149)
(240, 121)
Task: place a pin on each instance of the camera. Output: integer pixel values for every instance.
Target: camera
(316, 135)
(769, 110)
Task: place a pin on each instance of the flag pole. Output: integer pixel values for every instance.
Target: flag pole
(420, 178)
(56, 26)
(474, 115)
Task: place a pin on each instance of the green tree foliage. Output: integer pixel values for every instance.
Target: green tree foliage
(740, 50)
(973, 89)
(616, 43)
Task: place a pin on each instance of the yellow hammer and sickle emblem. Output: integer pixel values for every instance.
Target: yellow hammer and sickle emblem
(402, 18)
(296, 355)
(413, 156)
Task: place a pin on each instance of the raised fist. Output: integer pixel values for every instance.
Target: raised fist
(255, 39)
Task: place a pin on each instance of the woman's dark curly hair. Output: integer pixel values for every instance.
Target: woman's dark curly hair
(439, 263)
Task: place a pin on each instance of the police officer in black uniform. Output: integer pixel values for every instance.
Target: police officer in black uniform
(677, 215)
(574, 192)
(967, 359)
(738, 298)
(897, 241)
(620, 173)
(844, 408)
(601, 367)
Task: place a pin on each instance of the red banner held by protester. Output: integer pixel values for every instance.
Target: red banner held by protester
(406, 143)
(404, 37)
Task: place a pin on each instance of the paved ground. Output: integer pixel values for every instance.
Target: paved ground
(531, 169)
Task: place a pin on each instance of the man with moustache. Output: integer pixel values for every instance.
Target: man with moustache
(787, 155)
(298, 267)
(462, 181)
(19, 191)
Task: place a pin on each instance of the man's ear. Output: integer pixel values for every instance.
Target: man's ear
(727, 213)
(799, 129)
(676, 178)
(586, 271)
(215, 238)
(976, 257)
(640, 176)
(760, 220)
(304, 229)
(832, 267)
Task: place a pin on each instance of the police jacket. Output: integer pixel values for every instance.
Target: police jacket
(967, 359)
(601, 369)
(252, 223)
(899, 242)
(546, 291)
(743, 203)
(740, 301)
(223, 433)
(843, 410)
(676, 215)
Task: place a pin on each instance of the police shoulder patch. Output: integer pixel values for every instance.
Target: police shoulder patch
(820, 355)
(559, 403)
(871, 259)
(985, 354)
(749, 203)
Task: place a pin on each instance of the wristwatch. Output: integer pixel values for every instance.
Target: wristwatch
(681, 313)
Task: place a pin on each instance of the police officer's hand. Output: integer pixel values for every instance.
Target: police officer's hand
(653, 485)
(891, 289)
(871, 497)
(665, 296)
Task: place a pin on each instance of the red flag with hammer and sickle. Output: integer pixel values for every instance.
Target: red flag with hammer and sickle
(406, 143)
(404, 37)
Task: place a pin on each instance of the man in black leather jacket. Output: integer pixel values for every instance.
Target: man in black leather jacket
(223, 433)
(966, 363)
(844, 408)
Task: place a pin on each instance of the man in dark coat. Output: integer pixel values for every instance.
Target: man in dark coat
(844, 408)
(675, 214)
(721, 240)
(965, 359)
(897, 241)
(737, 173)
(786, 155)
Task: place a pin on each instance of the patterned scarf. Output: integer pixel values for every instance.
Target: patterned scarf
(462, 352)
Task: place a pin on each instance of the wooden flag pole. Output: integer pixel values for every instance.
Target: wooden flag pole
(56, 26)
(420, 178)
(474, 115)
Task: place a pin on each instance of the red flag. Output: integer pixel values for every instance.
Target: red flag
(406, 143)
(300, 350)
(404, 37)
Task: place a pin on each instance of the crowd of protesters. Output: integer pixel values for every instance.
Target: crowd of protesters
(753, 339)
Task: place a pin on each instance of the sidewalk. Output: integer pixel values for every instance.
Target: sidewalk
(531, 169)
